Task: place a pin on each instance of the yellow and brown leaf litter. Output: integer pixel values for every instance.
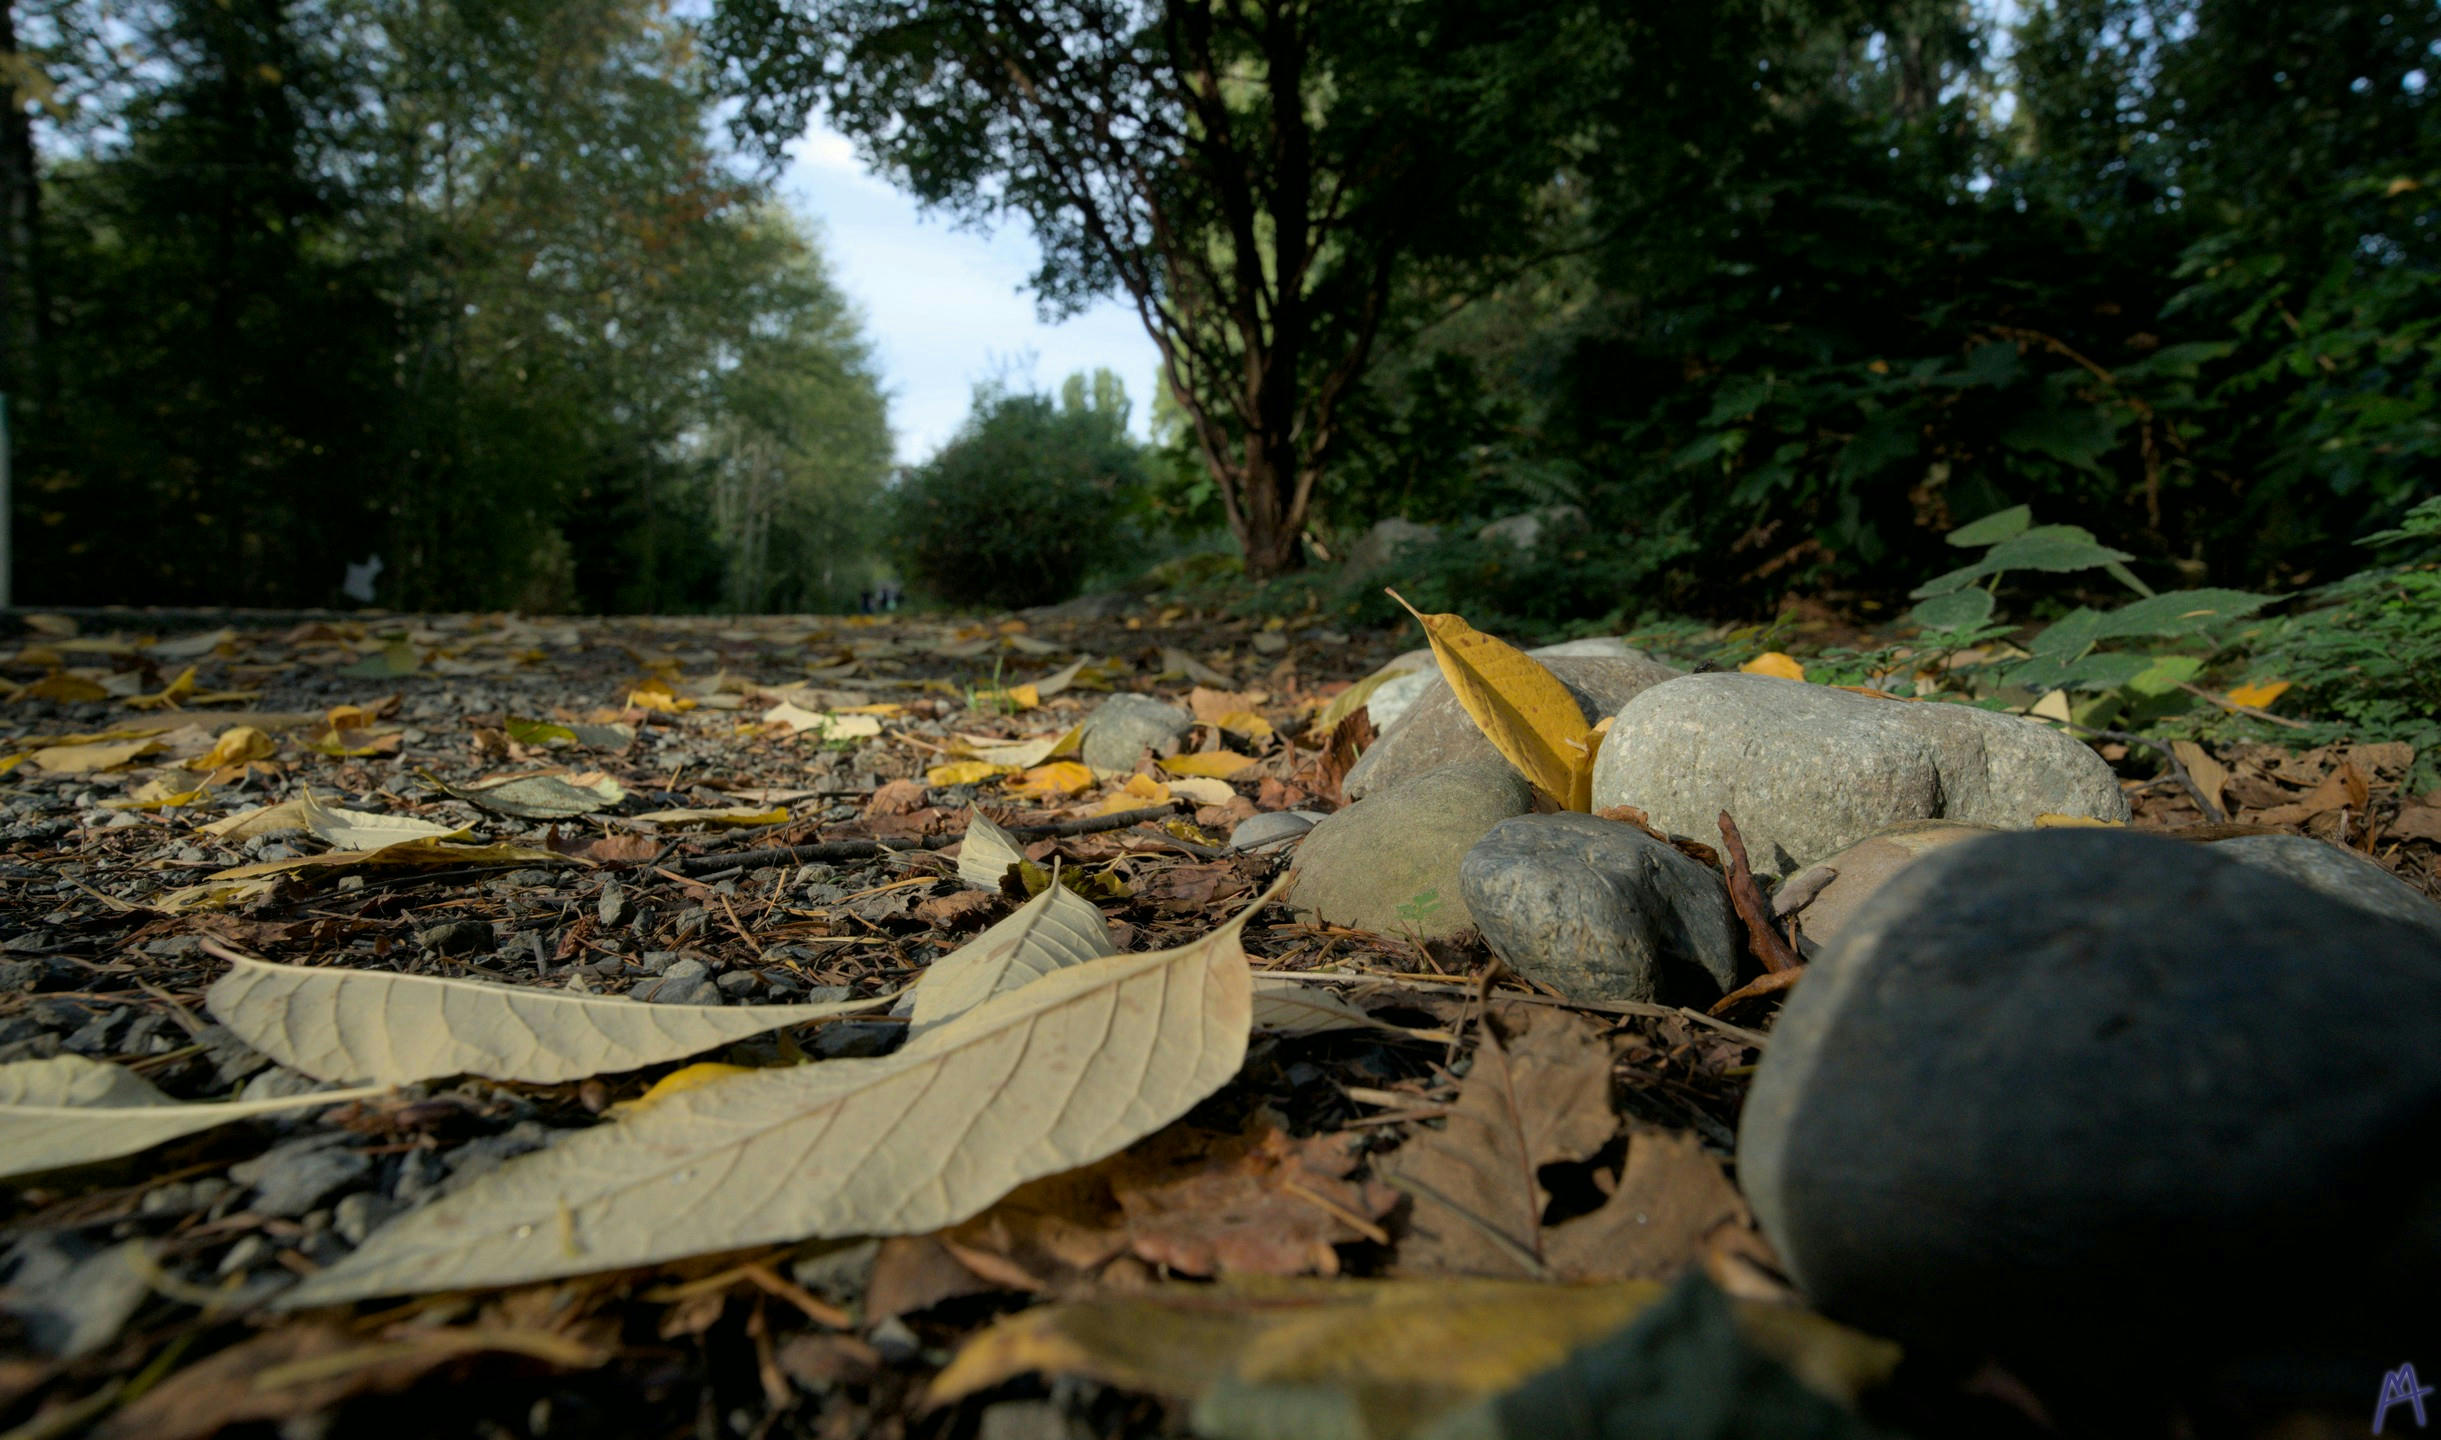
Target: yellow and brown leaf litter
(537, 868)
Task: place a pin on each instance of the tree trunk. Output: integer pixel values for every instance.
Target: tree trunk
(1271, 522)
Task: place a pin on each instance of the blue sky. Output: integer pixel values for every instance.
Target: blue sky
(947, 307)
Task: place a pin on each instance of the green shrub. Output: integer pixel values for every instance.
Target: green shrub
(1026, 499)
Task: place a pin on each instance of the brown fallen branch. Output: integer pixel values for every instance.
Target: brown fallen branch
(1746, 896)
(867, 849)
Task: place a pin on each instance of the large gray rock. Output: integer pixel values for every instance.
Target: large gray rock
(1601, 911)
(1124, 726)
(1390, 862)
(1806, 770)
(1529, 528)
(1436, 730)
(2341, 874)
(2094, 1097)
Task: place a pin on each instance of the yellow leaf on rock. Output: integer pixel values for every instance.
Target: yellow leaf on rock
(965, 772)
(2053, 820)
(1518, 704)
(1211, 764)
(2258, 696)
(1772, 662)
(161, 794)
(1060, 778)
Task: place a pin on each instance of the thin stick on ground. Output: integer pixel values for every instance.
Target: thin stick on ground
(2169, 757)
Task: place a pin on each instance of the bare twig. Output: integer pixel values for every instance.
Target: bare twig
(2169, 757)
(1770, 946)
(2233, 707)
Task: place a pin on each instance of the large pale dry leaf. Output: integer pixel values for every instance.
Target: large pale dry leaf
(1403, 1350)
(1670, 1196)
(342, 829)
(368, 1025)
(69, 1110)
(1539, 1096)
(986, 854)
(1518, 704)
(1078, 1065)
(1052, 931)
(723, 816)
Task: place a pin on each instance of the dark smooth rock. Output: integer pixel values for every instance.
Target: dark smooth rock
(2341, 874)
(2095, 1099)
(1436, 731)
(1599, 910)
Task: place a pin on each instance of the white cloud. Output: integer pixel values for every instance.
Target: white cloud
(946, 307)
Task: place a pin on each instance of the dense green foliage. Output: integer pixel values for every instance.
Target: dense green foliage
(460, 284)
(1849, 277)
(1024, 501)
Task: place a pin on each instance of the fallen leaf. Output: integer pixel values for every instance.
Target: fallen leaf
(1202, 789)
(396, 658)
(1025, 755)
(1208, 764)
(1054, 781)
(1289, 1004)
(69, 1110)
(234, 746)
(344, 829)
(1347, 702)
(1261, 1204)
(2417, 822)
(1139, 792)
(1052, 931)
(1520, 706)
(1772, 662)
(1177, 661)
(405, 854)
(537, 797)
(1539, 1096)
(958, 910)
(65, 688)
(85, 759)
(965, 772)
(654, 693)
(1671, 1194)
(899, 797)
(2210, 775)
(825, 725)
(2258, 695)
(1076, 1066)
(379, 1027)
(724, 816)
(162, 793)
(170, 695)
(1410, 1348)
(987, 852)
(297, 1371)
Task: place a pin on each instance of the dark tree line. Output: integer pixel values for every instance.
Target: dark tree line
(290, 283)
